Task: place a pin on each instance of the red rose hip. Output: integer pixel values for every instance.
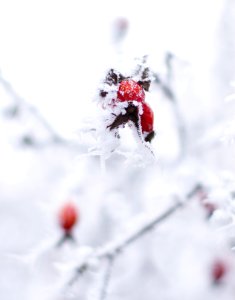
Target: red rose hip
(147, 118)
(130, 90)
(68, 217)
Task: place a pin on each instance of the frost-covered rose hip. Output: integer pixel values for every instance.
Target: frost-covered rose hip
(68, 217)
(130, 90)
(134, 110)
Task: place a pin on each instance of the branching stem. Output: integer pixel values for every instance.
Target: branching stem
(115, 248)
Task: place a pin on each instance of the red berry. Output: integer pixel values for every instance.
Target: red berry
(121, 23)
(219, 269)
(130, 90)
(68, 217)
(147, 118)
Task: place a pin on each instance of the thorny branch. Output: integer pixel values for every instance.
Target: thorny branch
(115, 248)
(19, 101)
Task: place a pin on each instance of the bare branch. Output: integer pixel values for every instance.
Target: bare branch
(146, 228)
(116, 247)
(19, 101)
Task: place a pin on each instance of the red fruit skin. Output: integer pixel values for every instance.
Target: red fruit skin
(147, 118)
(219, 269)
(130, 90)
(68, 217)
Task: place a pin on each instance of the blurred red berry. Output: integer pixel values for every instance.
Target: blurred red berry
(121, 24)
(120, 27)
(219, 269)
(130, 90)
(68, 217)
(147, 118)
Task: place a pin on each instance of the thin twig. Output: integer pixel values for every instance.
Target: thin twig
(168, 61)
(107, 276)
(146, 228)
(19, 101)
(167, 89)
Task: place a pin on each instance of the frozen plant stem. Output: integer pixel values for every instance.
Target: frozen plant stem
(149, 226)
(116, 247)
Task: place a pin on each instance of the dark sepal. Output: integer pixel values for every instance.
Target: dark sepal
(145, 84)
(132, 114)
(150, 136)
(114, 77)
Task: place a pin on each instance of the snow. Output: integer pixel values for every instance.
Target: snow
(55, 55)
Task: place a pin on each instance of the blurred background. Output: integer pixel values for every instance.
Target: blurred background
(54, 56)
